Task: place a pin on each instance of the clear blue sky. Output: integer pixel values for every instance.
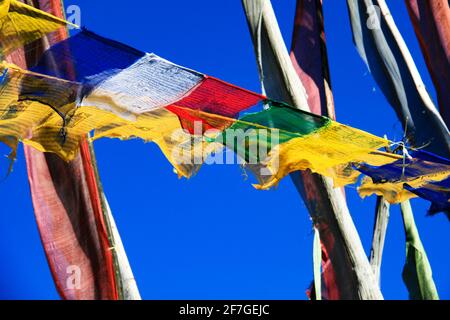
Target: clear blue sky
(214, 236)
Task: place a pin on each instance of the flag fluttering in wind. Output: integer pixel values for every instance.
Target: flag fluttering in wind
(385, 53)
(382, 48)
(116, 91)
(310, 60)
(66, 200)
(302, 82)
(431, 21)
(33, 98)
(87, 83)
(417, 273)
(22, 24)
(420, 174)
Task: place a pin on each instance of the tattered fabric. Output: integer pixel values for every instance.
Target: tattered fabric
(67, 207)
(438, 193)
(431, 21)
(419, 172)
(21, 24)
(383, 50)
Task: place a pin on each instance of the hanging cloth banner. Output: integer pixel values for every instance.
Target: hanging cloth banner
(123, 93)
(422, 174)
(114, 79)
(382, 48)
(327, 147)
(309, 58)
(417, 273)
(438, 193)
(431, 21)
(22, 24)
(126, 81)
(305, 141)
(308, 52)
(67, 208)
(282, 78)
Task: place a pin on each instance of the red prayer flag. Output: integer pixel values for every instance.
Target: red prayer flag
(68, 207)
(309, 57)
(431, 20)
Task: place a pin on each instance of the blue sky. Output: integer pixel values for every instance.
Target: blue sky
(214, 236)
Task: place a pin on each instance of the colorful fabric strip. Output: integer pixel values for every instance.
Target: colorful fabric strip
(388, 59)
(118, 87)
(438, 193)
(417, 273)
(22, 24)
(302, 141)
(86, 58)
(67, 206)
(309, 57)
(422, 174)
(124, 80)
(150, 83)
(431, 21)
(420, 163)
(305, 141)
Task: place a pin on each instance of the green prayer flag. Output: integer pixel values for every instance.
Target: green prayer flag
(417, 273)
